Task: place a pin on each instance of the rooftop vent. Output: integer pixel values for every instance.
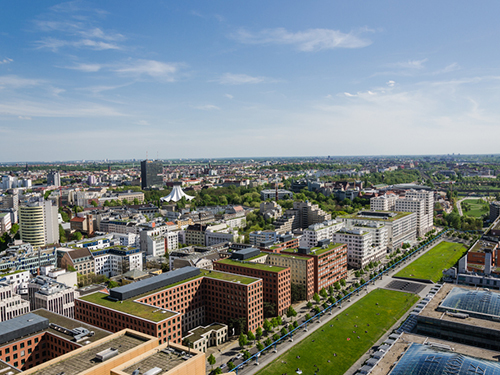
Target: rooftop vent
(153, 371)
(106, 354)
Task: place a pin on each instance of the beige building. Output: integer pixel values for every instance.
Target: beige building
(201, 338)
(384, 202)
(307, 214)
(80, 259)
(46, 293)
(38, 223)
(11, 304)
(359, 247)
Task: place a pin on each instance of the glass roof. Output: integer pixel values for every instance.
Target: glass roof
(478, 302)
(427, 360)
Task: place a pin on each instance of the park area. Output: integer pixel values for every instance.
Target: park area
(430, 266)
(474, 207)
(335, 347)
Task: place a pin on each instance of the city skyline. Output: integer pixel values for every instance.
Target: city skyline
(90, 80)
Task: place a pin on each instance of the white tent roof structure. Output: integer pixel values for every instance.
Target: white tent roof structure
(176, 195)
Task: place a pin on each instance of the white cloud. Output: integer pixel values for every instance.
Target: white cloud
(391, 83)
(410, 64)
(12, 81)
(6, 61)
(54, 44)
(89, 68)
(152, 68)
(308, 40)
(143, 123)
(56, 109)
(24, 117)
(208, 107)
(229, 96)
(240, 79)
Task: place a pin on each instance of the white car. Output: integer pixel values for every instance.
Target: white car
(239, 356)
(223, 366)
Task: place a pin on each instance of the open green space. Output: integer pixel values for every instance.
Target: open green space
(368, 319)
(477, 207)
(430, 266)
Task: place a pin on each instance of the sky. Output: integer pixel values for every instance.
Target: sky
(211, 79)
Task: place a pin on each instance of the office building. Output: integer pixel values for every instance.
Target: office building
(18, 279)
(271, 194)
(359, 243)
(81, 260)
(38, 223)
(318, 232)
(276, 279)
(5, 222)
(384, 202)
(53, 179)
(151, 173)
(24, 257)
(494, 210)
(11, 304)
(115, 261)
(46, 293)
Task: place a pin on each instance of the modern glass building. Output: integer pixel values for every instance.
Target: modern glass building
(151, 173)
(428, 360)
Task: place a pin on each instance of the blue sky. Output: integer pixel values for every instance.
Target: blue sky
(117, 79)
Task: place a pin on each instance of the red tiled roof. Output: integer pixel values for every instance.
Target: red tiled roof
(78, 219)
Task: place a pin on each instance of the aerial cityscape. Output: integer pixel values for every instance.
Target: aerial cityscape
(259, 188)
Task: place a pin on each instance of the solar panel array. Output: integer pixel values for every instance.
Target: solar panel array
(428, 360)
(479, 303)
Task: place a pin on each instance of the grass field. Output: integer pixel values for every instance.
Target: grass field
(365, 319)
(430, 266)
(476, 208)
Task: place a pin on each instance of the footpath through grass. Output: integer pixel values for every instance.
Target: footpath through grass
(349, 335)
(430, 266)
(477, 207)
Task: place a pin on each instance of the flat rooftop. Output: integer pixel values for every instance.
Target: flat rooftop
(196, 333)
(482, 246)
(84, 360)
(288, 255)
(253, 265)
(154, 313)
(166, 359)
(385, 216)
(432, 310)
(394, 360)
(314, 250)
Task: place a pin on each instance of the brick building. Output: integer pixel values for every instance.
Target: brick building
(168, 305)
(276, 279)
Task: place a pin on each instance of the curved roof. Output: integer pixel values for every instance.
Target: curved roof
(480, 303)
(176, 195)
(427, 360)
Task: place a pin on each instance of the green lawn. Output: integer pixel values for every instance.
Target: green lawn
(477, 208)
(430, 266)
(320, 346)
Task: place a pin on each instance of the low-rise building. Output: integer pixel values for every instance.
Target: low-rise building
(319, 231)
(81, 260)
(19, 279)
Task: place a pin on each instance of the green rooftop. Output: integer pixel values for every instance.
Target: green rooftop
(294, 255)
(11, 273)
(128, 306)
(154, 313)
(314, 250)
(398, 215)
(246, 264)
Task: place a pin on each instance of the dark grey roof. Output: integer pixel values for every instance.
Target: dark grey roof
(245, 253)
(22, 326)
(144, 286)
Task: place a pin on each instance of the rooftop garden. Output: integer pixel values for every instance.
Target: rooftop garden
(258, 266)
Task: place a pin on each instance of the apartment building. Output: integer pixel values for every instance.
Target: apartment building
(426, 221)
(272, 193)
(24, 257)
(167, 305)
(195, 234)
(11, 304)
(46, 293)
(384, 202)
(359, 247)
(318, 232)
(276, 279)
(5, 222)
(119, 226)
(117, 260)
(307, 214)
(401, 226)
(418, 206)
(18, 279)
(79, 259)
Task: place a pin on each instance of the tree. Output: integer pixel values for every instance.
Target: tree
(276, 336)
(268, 342)
(246, 355)
(242, 340)
(259, 346)
(283, 331)
(14, 229)
(295, 324)
(251, 336)
(342, 282)
(291, 313)
(268, 327)
(297, 292)
(316, 297)
(309, 305)
(317, 309)
(258, 333)
(230, 365)
(279, 320)
(307, 317)
(269, 309)
(217, 371)
(330, 290)
(274, 322)
(77, 236)
(323, 293)
(336, 285)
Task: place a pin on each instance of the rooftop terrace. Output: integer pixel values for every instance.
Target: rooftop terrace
(247, 264)
(385, 218)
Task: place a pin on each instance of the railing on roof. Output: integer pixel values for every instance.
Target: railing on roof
(347, 297)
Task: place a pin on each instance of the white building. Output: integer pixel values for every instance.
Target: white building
(271, 194)
(5, 222)
(19, 279)
(38, 223)
(426, 221)
(384, 202)
(263, 236)
(172, 240)
(219, 233)
(11, 304)
(113, 262)
(360, 249)
(318, 232)
(46, 293)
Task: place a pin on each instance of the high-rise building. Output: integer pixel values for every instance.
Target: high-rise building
(151, 173)
(54, 179)
(38, 223)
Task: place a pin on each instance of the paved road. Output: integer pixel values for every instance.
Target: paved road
(271, 356)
